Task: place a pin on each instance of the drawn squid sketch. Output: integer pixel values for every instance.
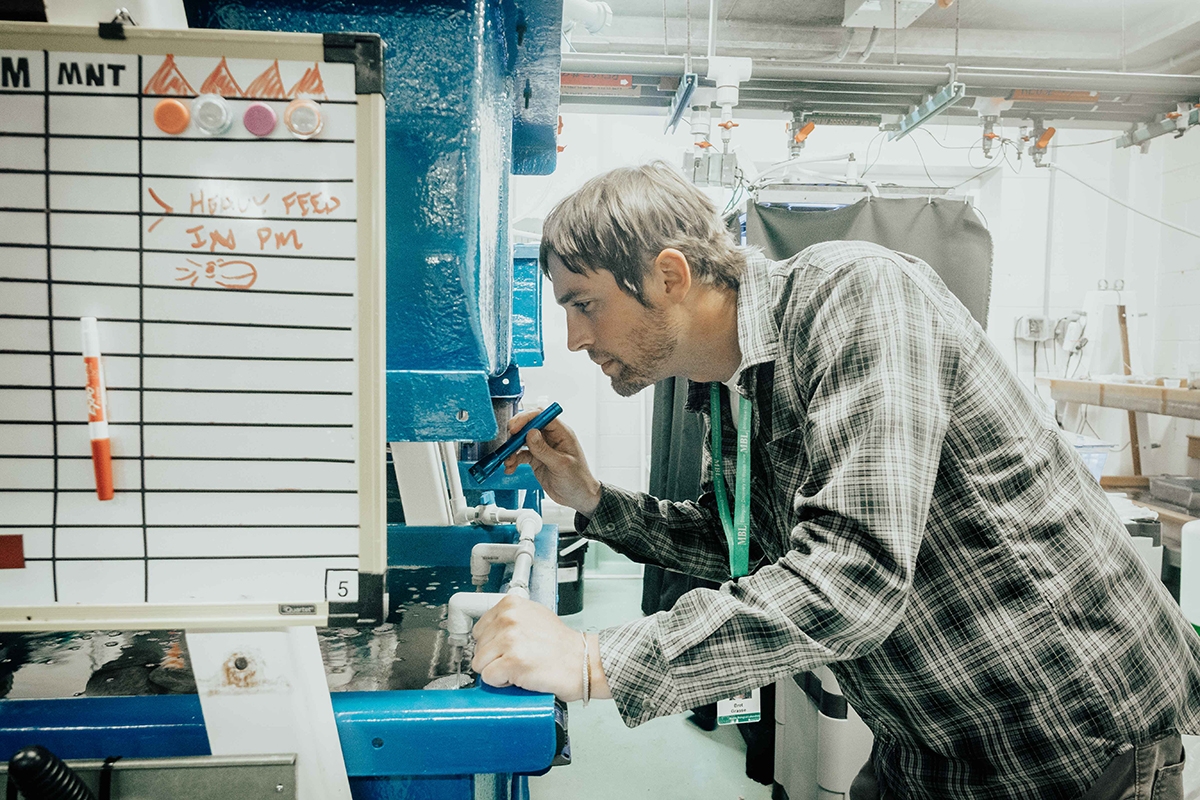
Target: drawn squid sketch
(234, 274)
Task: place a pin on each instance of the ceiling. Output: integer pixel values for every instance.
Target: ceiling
(791, 36)
(1074, 34)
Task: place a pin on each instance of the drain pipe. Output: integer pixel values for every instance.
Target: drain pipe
(466, 607)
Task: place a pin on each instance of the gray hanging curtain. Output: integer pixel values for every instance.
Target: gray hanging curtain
(946, 234)
(675, 446)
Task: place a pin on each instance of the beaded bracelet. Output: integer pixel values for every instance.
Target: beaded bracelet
(587, 672)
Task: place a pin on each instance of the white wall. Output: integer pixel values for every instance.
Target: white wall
(1092, 239)
(1177, 328)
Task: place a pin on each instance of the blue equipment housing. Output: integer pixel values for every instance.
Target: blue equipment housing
(472, 89)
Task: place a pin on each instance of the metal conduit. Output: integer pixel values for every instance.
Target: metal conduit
(974, 77)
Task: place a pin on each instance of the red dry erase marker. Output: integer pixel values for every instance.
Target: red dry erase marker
(97, 410)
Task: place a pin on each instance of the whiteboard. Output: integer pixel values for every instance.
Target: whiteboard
(237, 282)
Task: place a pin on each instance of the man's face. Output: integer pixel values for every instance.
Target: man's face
(632, 343)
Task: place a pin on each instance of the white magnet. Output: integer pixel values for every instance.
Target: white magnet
(212, 114)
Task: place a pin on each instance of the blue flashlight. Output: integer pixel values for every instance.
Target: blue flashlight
(483, 469)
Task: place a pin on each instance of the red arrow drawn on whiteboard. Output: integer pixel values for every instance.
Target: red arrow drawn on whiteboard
(162, 203)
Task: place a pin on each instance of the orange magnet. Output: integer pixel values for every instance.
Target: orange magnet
(303, 118)
(172, 116)
(1044, 142)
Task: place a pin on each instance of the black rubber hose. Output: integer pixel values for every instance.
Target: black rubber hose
(41, 775)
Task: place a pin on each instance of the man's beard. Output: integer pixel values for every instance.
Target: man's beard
(654, 338)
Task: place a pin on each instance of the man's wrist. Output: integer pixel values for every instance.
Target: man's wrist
(589, 504)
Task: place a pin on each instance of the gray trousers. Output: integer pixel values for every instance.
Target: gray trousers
(1152, 771)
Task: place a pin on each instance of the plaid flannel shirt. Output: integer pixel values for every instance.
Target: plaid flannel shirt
(919, 525)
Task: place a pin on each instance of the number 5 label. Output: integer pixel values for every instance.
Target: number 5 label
(341, 586)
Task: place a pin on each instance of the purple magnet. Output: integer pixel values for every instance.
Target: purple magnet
(259, 119)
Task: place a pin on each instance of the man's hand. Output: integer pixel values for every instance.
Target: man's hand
(558, 462)
(522, 643)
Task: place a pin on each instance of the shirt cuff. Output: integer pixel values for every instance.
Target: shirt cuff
(637, 673)
(615, 504)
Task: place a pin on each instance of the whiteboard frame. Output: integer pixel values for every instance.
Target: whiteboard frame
(370, 265)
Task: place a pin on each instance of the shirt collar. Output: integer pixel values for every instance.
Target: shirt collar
(758, 333)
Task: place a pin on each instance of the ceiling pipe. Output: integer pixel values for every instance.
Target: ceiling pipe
(841, 54)
(973, 77)
(866, 54)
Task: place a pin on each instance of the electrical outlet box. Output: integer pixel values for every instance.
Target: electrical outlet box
(1034, 328)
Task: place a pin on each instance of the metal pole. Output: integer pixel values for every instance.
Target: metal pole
(712, 22)
(1049, 235)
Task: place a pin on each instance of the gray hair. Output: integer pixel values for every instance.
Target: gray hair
(620, 221)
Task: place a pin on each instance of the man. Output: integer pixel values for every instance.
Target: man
(917, 522)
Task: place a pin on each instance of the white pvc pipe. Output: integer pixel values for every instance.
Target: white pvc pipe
(464, 608)
(484, 554)
(815, 159)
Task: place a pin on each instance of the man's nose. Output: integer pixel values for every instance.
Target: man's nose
(579, 336)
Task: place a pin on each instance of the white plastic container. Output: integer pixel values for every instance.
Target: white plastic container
(1093, 451)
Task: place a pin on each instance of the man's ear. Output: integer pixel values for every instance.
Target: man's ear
(673, 274)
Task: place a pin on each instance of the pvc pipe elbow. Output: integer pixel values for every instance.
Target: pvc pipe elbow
(529, 524)
(484, 554)
(462, 611)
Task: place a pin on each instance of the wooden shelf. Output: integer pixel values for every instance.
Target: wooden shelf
(1128, 396)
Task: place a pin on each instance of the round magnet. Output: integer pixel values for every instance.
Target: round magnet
(212, 114)
(303, 118)
(172, 116)
(259, 119)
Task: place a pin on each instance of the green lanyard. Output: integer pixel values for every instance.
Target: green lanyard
(737, 531)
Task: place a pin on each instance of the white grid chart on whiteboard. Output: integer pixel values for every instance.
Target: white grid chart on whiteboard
(222, 272)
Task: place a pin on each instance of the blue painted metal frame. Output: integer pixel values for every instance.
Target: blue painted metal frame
(527, 307)
(98, 727)
(383, 734)
(466, 105)
(464, 732)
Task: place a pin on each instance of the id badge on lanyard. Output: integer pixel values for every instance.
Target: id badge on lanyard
(737, 529)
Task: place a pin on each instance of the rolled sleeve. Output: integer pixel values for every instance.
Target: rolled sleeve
(685, 537)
